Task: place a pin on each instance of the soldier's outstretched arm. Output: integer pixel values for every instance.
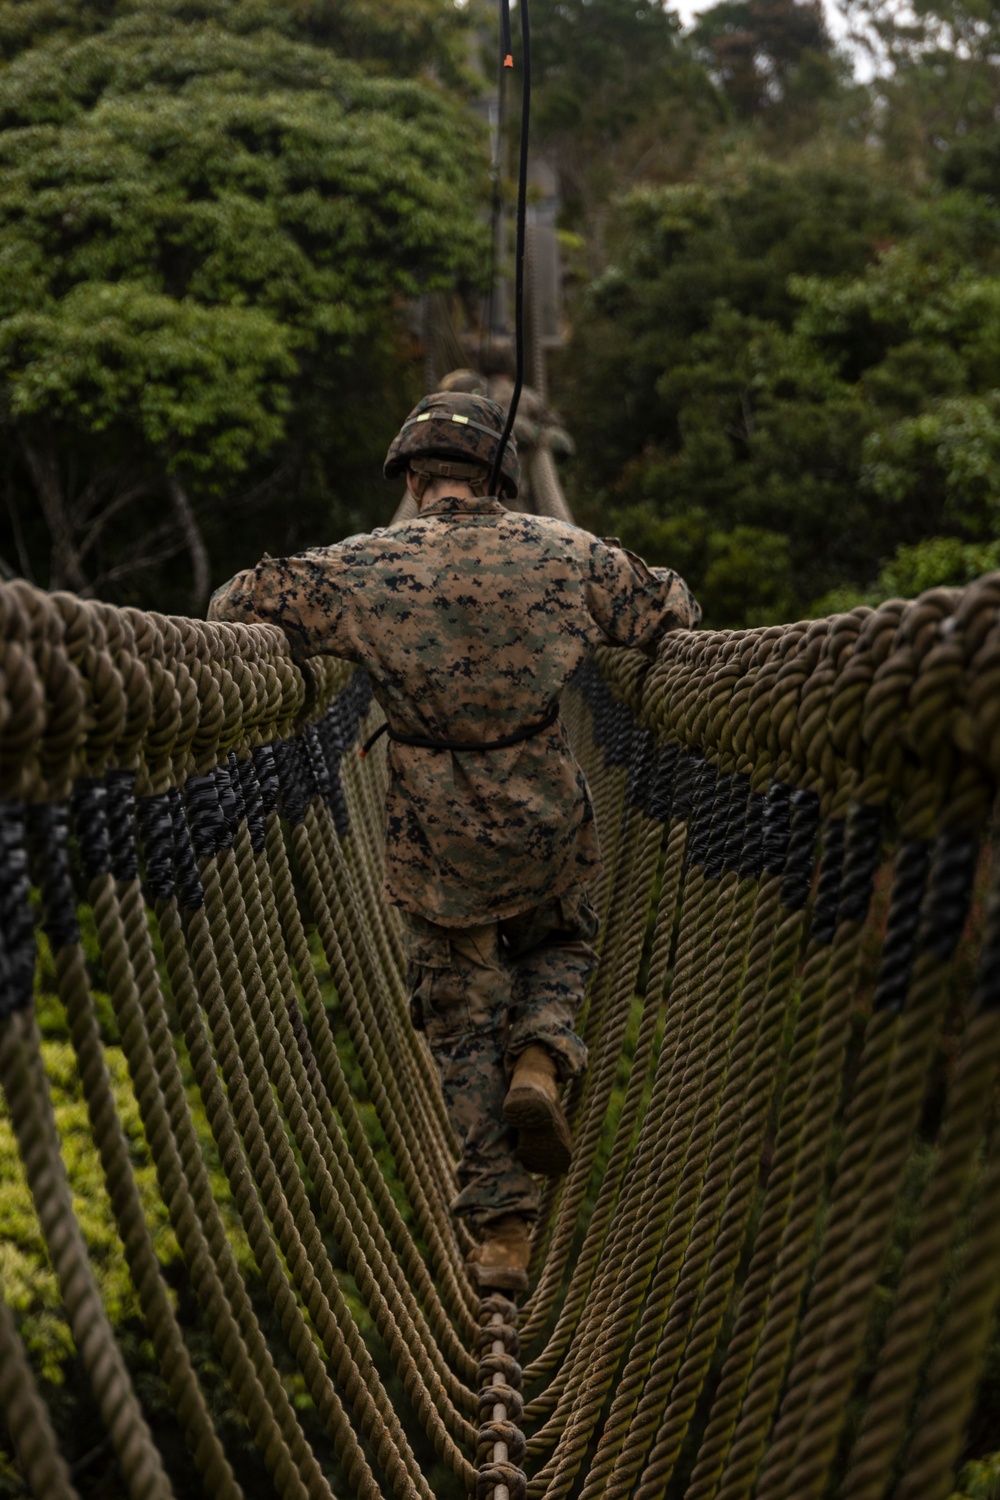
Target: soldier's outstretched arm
(633, 604)
(302, 594)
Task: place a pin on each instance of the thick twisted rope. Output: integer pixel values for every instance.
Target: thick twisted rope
(776, 991)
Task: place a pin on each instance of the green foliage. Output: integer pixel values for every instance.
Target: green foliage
(29, 1283)
(616, 96)
(979, 1480)
(936, 84)
(597, 62)
(209, 231)
(950, 450)
(30, 1287)
(209, 388)
(973, 162)
(783, 369)
(681, 255)
(787, 375)
(938, 561)
(398, 36)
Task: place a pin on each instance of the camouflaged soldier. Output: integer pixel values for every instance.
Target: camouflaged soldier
(470, 619)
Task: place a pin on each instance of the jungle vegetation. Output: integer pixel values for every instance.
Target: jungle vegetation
(783, 312)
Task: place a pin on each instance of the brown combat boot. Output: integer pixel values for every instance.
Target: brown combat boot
(500, 1261)
(544, 1142)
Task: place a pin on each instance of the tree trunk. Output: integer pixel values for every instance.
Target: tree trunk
(44, 470)
(195, 544)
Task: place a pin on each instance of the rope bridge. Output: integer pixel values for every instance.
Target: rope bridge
(772, 1269)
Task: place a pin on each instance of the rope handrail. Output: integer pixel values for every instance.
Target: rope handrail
(771, 1269)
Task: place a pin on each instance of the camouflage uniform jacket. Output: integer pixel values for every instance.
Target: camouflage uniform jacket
(470, 619)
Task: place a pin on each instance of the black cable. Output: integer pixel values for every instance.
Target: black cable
(506, 49)
(496, 209)
(522, 213)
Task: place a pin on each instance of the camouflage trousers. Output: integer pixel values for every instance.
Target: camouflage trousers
(481, 995)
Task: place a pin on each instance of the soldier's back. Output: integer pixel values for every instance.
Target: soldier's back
(471, 616)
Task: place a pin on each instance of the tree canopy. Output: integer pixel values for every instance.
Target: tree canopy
(761, 52)
(215, 216)
(618, 97)
(394, 36)
(788, 374)
(208, 234)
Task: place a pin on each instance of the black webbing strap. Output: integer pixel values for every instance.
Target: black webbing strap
(422, 743)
